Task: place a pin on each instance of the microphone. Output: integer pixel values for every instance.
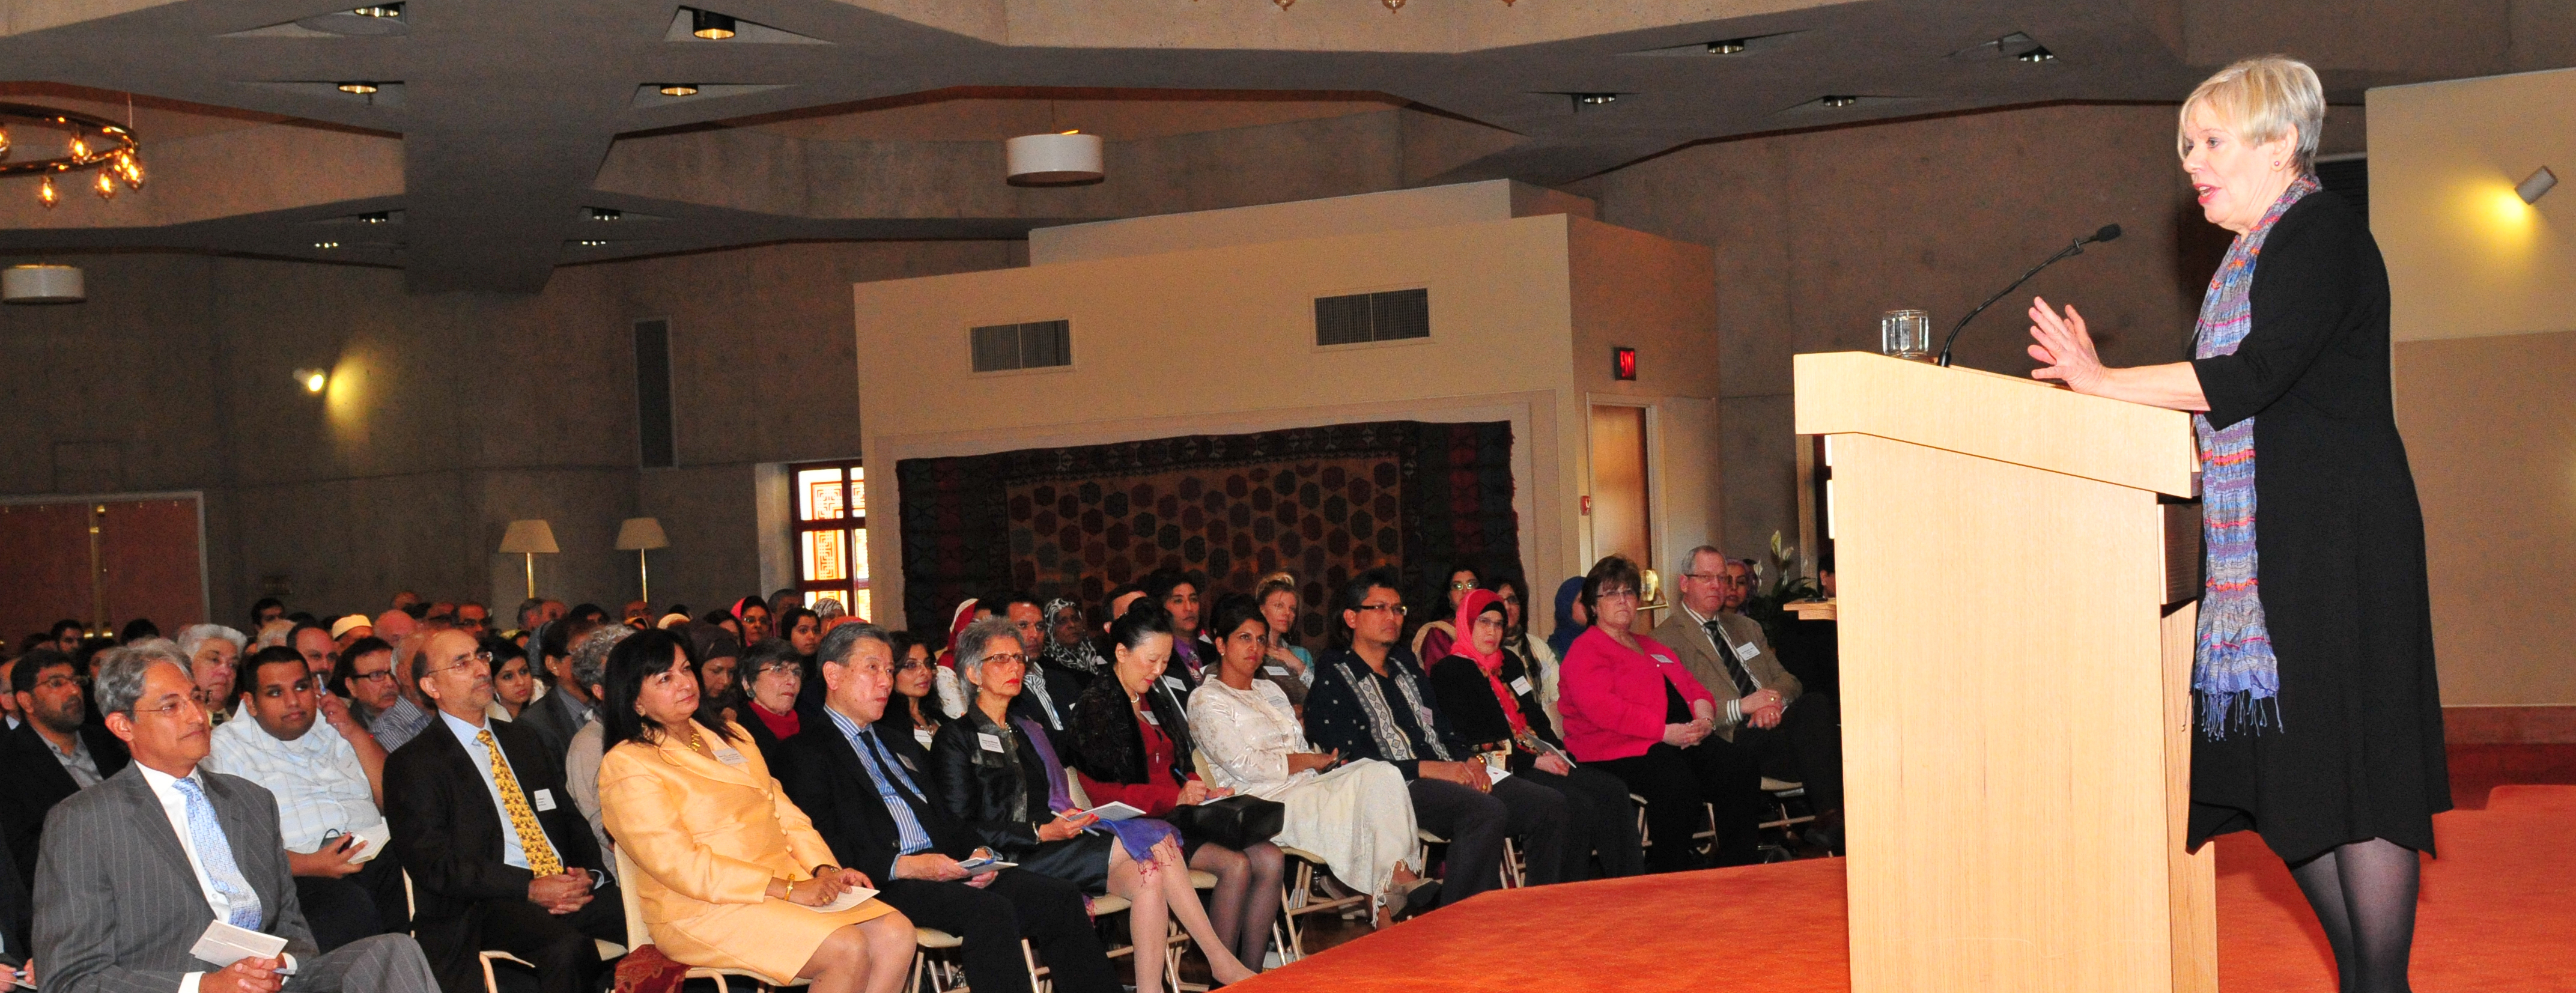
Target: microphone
(2108, 232)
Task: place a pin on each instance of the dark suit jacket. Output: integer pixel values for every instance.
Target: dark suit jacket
(122, 907)
(553, 722)
(448, 833)
(34, 782)
(17, 915)
(826, 779)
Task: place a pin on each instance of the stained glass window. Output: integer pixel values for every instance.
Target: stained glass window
(831, 543)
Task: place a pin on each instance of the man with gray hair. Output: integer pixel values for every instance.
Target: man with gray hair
(115, 912)
(1769, 716)
(589, 670)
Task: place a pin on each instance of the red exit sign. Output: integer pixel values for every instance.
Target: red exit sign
(1623, 362)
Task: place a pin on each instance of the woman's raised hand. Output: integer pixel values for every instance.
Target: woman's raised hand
(2064, 348)
(1067, 823)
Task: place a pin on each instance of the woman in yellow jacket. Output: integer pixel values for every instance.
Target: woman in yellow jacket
(730, 874)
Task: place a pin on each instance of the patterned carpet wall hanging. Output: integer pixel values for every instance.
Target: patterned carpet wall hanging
(1321, 502)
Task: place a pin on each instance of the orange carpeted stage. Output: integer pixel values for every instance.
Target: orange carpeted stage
(2499, 913)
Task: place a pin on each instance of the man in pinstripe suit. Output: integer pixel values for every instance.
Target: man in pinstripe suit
(131, 870)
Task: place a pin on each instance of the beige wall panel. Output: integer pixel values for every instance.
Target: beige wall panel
(2466, 257)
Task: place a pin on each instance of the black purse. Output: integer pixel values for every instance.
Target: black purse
(1235, 822)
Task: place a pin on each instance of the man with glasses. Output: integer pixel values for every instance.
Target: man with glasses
(52, 755)
(120, 914)
(499, 858)
(364, 677)
(1791, 734)
(1371, 701)
(326, 774)
(473, 618)
(411, 713)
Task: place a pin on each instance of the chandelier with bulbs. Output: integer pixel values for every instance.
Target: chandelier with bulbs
(90, 144)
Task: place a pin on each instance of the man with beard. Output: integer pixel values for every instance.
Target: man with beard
(53, 755)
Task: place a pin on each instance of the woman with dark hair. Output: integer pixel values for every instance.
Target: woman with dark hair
(1132, 744)
(1492, 704)
(514, 683)
(999, 773)
(721, 857)
(802, 630)
(1444, 590)
(136, 630)
(914, 707)
(752, 614)
(722, 619)
(771, 674)
(1632, 709)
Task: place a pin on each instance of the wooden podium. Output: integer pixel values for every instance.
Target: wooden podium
(2017, 569)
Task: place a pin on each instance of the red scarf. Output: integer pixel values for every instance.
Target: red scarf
(783, 725)
(1489, 663)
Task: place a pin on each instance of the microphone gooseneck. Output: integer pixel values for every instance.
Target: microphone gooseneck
(2107, 232)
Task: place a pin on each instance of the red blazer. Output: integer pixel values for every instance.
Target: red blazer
(1612, 699)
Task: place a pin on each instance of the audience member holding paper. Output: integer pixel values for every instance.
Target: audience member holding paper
(860, 775)
(729, 872)
(1005, 779)
(498, 857)
(137, 872)
(327, 777)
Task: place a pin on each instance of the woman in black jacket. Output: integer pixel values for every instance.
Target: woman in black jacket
(997, 772)
(1492, 703)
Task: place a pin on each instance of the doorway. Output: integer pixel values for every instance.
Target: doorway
(1621, 507)
(103, 562)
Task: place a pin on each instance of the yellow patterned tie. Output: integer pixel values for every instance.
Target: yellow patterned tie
(532, 837)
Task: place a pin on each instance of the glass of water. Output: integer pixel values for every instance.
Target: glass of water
(1905, 334)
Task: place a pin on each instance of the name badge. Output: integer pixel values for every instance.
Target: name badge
(1151, 719)
(545, 799)
(1175, 683)
(1745, 652)
(1521, 685)
(991, 743)
(921, 736)
(1275, 670)
(1664, 659)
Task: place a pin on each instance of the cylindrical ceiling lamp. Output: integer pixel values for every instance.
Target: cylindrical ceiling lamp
(1053, 159)
(42, 284)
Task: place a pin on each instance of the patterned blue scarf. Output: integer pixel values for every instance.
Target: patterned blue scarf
(2235, 677)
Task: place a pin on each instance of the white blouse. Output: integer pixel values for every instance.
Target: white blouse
(1247, 736)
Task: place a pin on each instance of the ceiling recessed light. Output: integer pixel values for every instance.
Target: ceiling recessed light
(606, 214)
(359, 88)
(383, 10)
(326, 244)
(710, 25)
(679, 89)
(1596, 99)
(2037, 55)
(376, 217)
(1837, 101)
(1731, 46)
(590, 243)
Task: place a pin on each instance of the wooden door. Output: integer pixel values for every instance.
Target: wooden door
(1620, 504)
(103, 563)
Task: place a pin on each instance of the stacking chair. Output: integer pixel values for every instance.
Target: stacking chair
(609, 951)
(637, 934)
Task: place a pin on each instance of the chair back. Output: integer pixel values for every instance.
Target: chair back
(1199, 762)
(637, 935)
(1073, 790)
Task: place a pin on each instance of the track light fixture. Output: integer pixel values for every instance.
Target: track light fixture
(710, 25)
(679, 89)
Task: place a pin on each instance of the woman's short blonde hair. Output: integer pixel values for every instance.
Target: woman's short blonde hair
(2260, 99)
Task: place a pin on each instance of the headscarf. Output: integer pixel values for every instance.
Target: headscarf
(1082, 656)
(1477, 603)
(1562, 639)
(957, 622)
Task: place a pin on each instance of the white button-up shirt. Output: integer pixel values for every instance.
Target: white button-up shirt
(512, 853)
(175, 807)
(319, 784)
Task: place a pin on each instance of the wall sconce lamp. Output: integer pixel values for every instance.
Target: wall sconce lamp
(2536, 185)
(531, 539)
(313, 380)
(640, 535)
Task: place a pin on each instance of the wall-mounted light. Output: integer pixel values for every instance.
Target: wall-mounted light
(1061, 159)
(710, 25)
(2536, 185)
(679, 89)
(43, 284)
(313, 380)
(358, 87)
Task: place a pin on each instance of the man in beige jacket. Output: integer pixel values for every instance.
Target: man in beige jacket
(1792, 734)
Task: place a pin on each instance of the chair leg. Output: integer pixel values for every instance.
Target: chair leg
(490, 985)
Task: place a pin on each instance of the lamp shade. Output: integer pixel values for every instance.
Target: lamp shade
(640, 534)
(42, 284)
(529, 537)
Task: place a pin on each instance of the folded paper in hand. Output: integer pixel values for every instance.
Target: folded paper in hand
(849, 898)
(985, 863)
(223, 944)
(1114, 811)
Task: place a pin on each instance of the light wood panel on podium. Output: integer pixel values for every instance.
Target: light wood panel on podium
(2015, 564)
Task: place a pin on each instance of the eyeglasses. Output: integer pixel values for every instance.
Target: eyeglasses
(1619, 594)
(169, 709)
(1012, 659)
(369, 677)
(479, 656)
(1392, 609)
(1705, 577)
(1463, 586)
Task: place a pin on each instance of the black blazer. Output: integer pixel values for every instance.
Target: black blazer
(773, 749)
(1476, 714)
(448, 833)
(1001, 796)
(1109, 747)
(826, 780)
(33, 782)
(551, 721)
(17, 914)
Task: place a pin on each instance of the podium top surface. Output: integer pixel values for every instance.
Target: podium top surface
(2004, 418)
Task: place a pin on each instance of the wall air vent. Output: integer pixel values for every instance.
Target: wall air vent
(1364, 317)
(1033, 345)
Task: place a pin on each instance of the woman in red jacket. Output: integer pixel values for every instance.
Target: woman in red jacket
(1633, 711)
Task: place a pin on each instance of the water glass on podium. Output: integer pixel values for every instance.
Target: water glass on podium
(1905, 334)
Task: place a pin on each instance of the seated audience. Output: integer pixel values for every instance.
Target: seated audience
(264, 610)
(138, 629)
(326, 775)
(772, 674)
(952, 693)
(474, 619)
(1492, 703)
(1371, 701)
(589, 669)
(555, 716)
(364, 677)
(1444, 590)
(1765, 713)
(1535, 657)
(1001, 776)
(68, 635)
(110, 920)
(1045, 695)
(752, 614)
(636, 615)
(319, 650)
(56, 753)
(1633, 709)
(728, 871)
(17, 924)
(718, 655)
(514, 685)
(347, 630)
(801, 629)
(411, 712)
(1571, 618)
(1812, 649)
(1132, 745)
(214, 653)
(1283, 663)
(861, 780)
(497, 861)
(1071, 656)
(1179, 594)
(1354, 814)
(915, 710)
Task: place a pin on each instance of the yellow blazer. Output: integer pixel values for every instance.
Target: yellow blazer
(706, 837)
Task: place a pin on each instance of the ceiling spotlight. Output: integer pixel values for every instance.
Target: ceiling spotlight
(2537, 185)
(2037, 55)
(606, 214)
(313, 380)
(385, 10)
(1730, 46)
(358, 88)
(326, 244)
(590, 243)
(1837, 101)
(1596, 99)
(679, 89)
(710, 25)
(376, 217)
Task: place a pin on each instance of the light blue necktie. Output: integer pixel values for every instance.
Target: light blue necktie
(216, 855)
